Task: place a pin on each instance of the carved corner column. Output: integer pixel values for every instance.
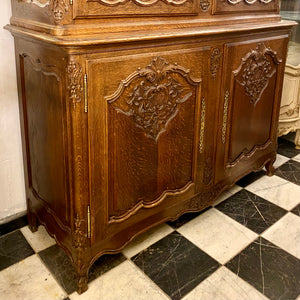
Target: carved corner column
(79, 169)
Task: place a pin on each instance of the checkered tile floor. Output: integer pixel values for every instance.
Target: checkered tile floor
(245, 247)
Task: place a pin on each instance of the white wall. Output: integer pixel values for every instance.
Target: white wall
(12, 193)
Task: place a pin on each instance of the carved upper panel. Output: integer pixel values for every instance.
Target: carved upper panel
(249, 1)
(140, 2)
(255, 71)
(151, 96)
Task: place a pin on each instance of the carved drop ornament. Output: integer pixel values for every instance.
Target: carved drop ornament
(215, 58)
(58, 10)
(151, 96)
(75, 82)
(256, 69)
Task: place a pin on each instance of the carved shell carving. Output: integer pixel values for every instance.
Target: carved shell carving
(248, 1)
(151, 96)
(140, 2)
(75, 79)
(255, 71)
(58, 10)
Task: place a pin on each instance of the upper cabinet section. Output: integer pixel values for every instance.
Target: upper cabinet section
(153, 17)
(245, 6)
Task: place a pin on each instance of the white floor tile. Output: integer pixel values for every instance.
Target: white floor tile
(38, 240)
(218, 235)
(29, 279)
(280, 160)
(124, 282)
(276, 190)
(227, 194)
(146, 239)
(286, 234)
(224, 285)
(297, 158)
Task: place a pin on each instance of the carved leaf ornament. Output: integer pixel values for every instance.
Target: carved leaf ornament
(255, 71)
(151, 96)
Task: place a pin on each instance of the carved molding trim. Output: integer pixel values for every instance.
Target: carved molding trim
(233, 2)
(39, 3)
(204, 5)
(145, 204)
(225, 116)
(202, 125)
(140, 2)
(58, 10)
(246, 153)
(215, 58)
(75, 82)
(46, 69)
(291, 111)
(151, 96)
(256, 70)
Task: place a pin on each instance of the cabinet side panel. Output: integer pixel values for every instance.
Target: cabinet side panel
(44, 129)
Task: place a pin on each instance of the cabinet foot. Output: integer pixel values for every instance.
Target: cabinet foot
(270, 168)
(297, 139)
(33, 222)
(82, 283)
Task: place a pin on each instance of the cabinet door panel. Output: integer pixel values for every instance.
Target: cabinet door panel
(251, 100)
(144, 113)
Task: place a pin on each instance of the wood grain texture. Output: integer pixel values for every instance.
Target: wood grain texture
(130, 122)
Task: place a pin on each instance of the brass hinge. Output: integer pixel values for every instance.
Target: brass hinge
(85, 94)
(89, 222)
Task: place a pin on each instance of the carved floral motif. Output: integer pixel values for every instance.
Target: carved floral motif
(75, 79)
(208, 171)
(256, 69)
(140, 2)
(215, 58)
(58, 10)
(151, 96)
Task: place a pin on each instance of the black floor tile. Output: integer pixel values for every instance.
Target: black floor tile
(185, 218)
(289, 171)
(13, 225)
(271, 270)
(286, 148)
(175, 264)
(13, 248)
(296, 210)
(243, 182)
(251, 210)
(60, 265)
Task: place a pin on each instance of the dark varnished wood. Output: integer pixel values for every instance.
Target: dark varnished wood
(134, 113)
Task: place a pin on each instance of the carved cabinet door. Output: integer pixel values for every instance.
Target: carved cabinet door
(144, 133)
(253, 73)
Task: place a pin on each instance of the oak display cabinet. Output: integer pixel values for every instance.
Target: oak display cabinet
(134, 112)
